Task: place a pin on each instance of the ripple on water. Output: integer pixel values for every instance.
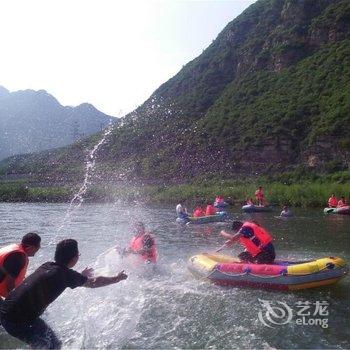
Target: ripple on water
(168, 307)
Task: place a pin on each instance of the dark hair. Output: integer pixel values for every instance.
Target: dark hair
(31, 239)
(236, 225)
(66, 250)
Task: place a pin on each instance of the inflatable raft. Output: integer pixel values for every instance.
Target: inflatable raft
(341, 210)
(256, 208)
(219, 217)
(282, 275)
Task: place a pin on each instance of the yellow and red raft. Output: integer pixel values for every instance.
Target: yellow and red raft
(281, 275)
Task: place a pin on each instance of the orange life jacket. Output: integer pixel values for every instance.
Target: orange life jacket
(219, 199)
(198, 212)
(332, 202)
(259, 194)
(136, 245)
(210, 210)
(341, 203)
(260, 234)
(4, 253)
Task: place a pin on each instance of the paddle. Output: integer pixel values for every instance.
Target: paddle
(220, 249)
(225, 245)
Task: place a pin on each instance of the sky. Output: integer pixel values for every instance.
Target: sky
(110, 53)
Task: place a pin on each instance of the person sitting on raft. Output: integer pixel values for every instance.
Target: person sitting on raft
(256, 241)
(210, 210)
(181, 212)
(143, 244)
(342, 202)
(20, 312)
(332, 201)
(198, 212)
(250, 201)
(219, 200)
(259, 195)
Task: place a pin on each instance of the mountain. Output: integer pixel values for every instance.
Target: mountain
(270, 94)
(32, 121)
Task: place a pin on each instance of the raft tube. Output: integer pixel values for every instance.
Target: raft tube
(256, 208)
(341, 210)
(219, 217)
(281, 275)
(220, 204)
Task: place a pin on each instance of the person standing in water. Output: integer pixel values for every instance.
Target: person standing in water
(259, 195)
(143, 244)
(286, 212)
(20, 312)
(14, 262)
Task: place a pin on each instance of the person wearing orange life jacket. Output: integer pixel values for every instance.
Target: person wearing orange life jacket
(198, 212)
(14, 262)
(143, 244)
(255, 239)
(210, 210)
(259, 195)
(332, 201)
(249, 201)
(342, 202)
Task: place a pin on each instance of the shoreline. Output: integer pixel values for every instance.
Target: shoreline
(303, 194)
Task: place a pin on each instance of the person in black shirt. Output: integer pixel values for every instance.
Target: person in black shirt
(20, 312)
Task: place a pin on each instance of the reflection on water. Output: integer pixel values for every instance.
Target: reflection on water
(168, 307)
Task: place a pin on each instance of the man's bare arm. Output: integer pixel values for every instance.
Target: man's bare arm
(102, 281)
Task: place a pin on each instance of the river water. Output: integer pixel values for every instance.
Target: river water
(169, 307)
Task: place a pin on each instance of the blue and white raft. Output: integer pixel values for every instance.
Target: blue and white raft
(252, 208)
(218, 217)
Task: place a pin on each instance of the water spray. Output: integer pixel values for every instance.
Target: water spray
(78, 198)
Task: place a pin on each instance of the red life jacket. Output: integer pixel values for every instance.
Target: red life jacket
(259, 233)
(332, 202)
(137, 244)
(4, 253)
(210, 210)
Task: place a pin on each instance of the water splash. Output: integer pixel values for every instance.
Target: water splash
(78, 198)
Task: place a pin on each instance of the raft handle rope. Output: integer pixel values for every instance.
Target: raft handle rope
(261, 276)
